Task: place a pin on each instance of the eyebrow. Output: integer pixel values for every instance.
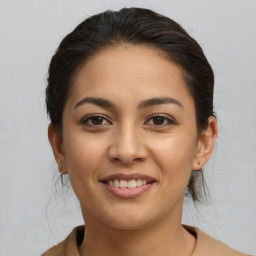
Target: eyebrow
(144, 104)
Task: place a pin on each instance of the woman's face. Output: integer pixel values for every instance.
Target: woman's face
(128, 120)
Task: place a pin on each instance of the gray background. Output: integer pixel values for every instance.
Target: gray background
(34, 213)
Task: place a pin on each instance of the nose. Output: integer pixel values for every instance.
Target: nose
(127, 146)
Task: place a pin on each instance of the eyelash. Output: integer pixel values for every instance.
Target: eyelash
(89, 118)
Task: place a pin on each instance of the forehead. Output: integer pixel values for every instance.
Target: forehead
(131, 73)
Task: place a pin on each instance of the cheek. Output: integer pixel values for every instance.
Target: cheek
(174, 155)
(83, 155)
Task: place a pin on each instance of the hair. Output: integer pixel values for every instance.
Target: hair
(133, 27)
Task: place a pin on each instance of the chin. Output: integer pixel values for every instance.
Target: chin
(128, 224)
(128, 219)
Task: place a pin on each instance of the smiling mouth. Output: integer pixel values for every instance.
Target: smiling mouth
(127, 183)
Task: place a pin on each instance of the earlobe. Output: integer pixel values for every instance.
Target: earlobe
(205, 144)
(57, 148)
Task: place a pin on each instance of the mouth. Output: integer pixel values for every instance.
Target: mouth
(127, 185)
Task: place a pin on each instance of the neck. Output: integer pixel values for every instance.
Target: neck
(157, 239)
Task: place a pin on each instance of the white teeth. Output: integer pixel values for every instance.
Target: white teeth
(138, 183)
(127, 184)
(131, 184)
(123, 184)
(116, 183)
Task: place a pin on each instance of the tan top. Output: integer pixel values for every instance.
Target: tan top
(205, 245)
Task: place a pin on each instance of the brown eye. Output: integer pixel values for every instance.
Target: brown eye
(159, 120)
(95, 120)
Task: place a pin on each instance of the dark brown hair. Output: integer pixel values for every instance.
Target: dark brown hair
(133, 26)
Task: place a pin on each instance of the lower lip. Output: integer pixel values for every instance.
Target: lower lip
(128, 192)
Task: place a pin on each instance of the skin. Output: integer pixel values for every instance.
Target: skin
(129, 140)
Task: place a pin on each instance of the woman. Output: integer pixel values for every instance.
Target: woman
(130, 98)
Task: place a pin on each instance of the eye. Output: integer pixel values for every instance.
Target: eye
(95, 120)
(160, 120)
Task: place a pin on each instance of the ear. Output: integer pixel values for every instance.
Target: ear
(57, 148)
(205, 144)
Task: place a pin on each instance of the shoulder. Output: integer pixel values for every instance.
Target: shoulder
(207, 245)
(69, 246)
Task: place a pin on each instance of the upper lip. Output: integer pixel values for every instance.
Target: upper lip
(131, 176)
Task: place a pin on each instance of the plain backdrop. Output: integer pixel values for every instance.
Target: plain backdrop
(34, 212)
